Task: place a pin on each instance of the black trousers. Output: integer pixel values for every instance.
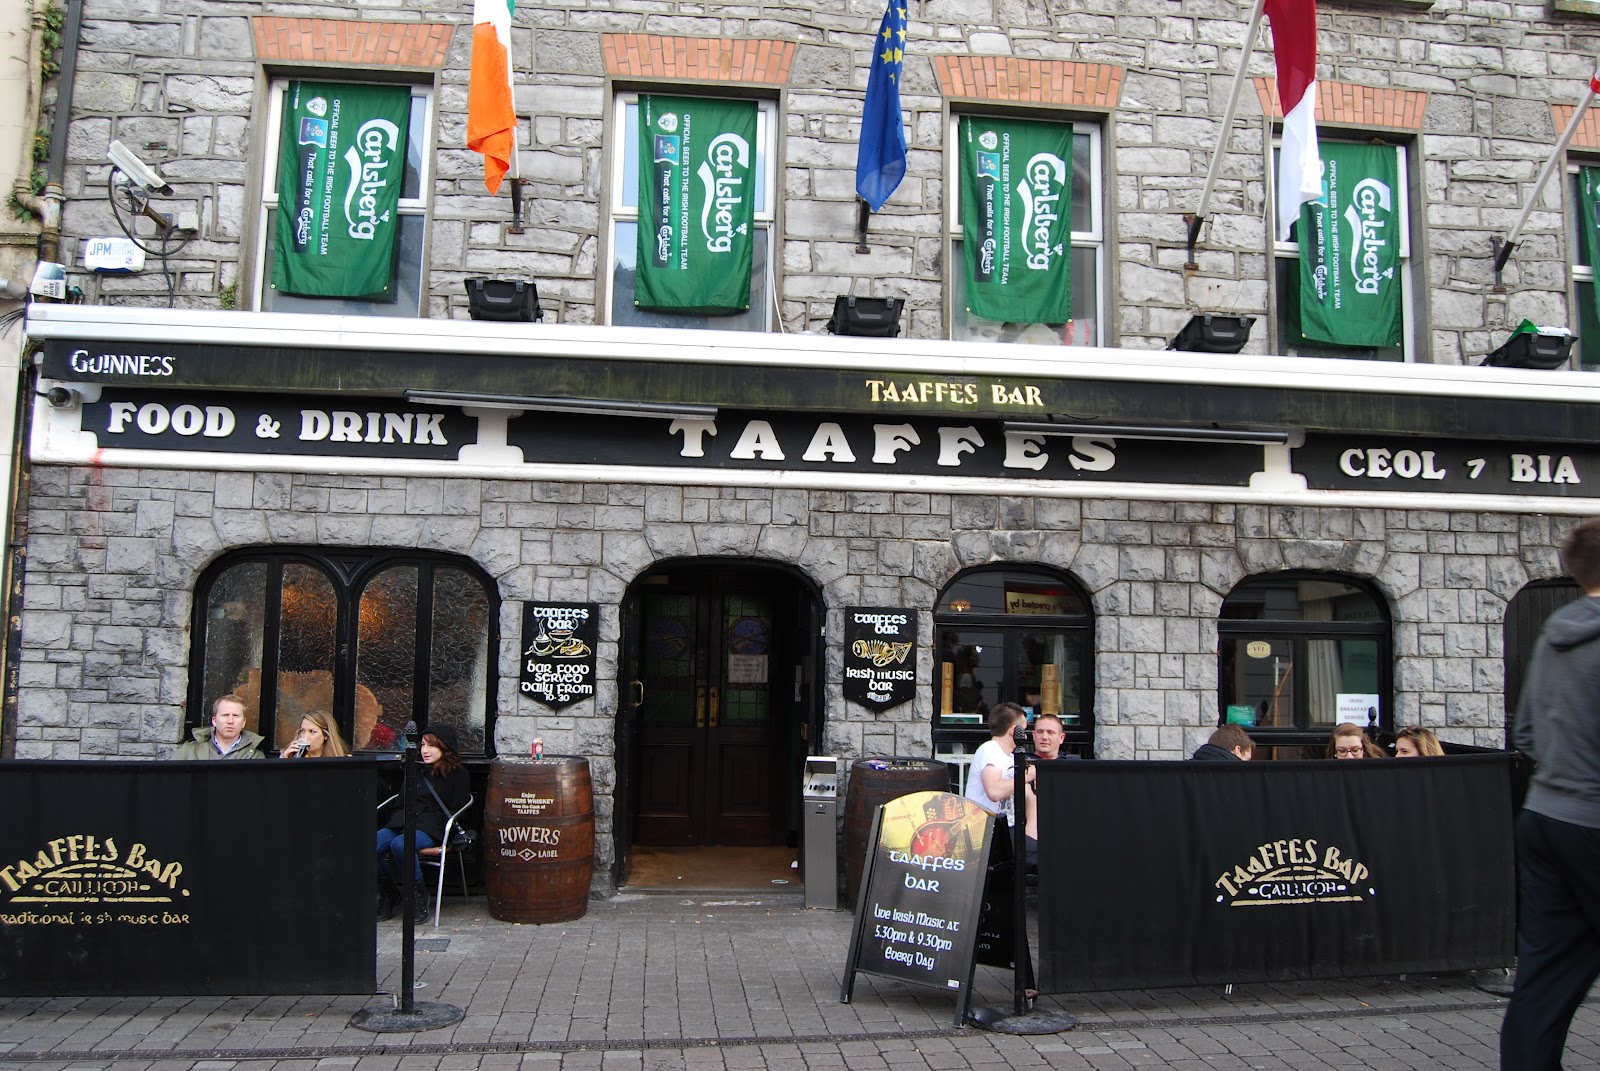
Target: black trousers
(1558, 939)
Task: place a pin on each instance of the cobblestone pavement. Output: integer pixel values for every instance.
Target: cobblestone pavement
(700, 983)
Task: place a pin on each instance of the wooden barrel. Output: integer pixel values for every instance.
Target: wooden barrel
(873, 782)
(538, 839)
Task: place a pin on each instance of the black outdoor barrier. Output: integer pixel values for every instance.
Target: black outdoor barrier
(187, 878)
(1183, 873)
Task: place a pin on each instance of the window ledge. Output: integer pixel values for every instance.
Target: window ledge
(1389, 5)
(1576, 7)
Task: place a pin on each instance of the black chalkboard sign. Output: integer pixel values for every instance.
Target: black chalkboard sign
(880, 655)
(917, 915)
(558, 642)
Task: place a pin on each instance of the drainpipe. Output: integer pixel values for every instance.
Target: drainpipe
(47, 205)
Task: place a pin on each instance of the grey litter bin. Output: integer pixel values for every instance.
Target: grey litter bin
(820, 798)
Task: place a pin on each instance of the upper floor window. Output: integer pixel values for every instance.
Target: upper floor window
(692, 211)
(989, 170)
(328, 198)
(1583, 193)
(1300, 653)
(1346, 289)
(376, 638)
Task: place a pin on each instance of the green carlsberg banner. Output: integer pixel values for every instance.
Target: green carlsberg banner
(697, 167)
(1350, 249)
(1016, 219)
(341, 161)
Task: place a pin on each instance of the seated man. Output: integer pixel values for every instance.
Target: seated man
(226, 739)
(1228, 744)
(1048, 734)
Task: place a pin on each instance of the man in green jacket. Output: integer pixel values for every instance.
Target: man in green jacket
(226, 739)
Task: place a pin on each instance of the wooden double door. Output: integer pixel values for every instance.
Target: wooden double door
(715, 694)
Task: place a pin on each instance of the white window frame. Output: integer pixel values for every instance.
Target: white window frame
(1583, 275)
(1282, 251)
(762, 314)
(1092, 238)
(409, 206)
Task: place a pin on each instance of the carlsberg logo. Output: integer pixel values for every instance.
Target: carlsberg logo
(1368, 216)
(368, 160)
(1044, 182)
(723, 175)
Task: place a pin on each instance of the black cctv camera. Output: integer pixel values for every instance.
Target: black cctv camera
(62, 397)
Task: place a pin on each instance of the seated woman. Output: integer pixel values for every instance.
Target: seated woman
(1350, 741)
(441, 790)
(1416, 742)
(318, 739)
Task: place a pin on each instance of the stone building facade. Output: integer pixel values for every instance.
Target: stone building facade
(1269, 476)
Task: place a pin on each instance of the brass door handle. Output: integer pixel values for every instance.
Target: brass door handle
(638, 694)
(700, 707)
(714, 708)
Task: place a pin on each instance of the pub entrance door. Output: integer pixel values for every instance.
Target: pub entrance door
(719, 658)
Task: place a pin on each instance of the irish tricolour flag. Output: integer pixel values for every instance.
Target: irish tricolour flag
(491, 117)
(1294, 43)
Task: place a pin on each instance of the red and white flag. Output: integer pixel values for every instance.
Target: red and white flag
(491, 115)
(1294, 44)
(1594, 81)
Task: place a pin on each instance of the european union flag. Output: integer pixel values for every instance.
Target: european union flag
(881, 156)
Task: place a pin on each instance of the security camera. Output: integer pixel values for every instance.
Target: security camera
(63, 398)
(139, 173)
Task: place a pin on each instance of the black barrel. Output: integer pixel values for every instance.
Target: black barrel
(876, 781)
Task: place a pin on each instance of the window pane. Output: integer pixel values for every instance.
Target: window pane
(1082, 330)
(458, 657)
(667, 660)
(306, 649)
(996, 591)
(233, 641)
(970, 677)
(747, 652)
(1258, 681)
(1045, 668)
(386, 655)
(407, 289)
(624, 272)
(416, 142)
(1288, 285)
(1588, 329)
(1082, 191)
(1291, 599)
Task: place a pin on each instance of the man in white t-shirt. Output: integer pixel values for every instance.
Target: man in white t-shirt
(990, 778)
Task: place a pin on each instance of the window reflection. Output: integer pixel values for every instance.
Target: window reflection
(290, 633)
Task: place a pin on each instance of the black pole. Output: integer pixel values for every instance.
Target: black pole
(1019, 862)
(408, 881)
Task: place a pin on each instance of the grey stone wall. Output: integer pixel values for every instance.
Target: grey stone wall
(112, 557)
(178, 78)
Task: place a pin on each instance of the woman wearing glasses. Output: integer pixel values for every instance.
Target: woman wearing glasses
(1350, 741)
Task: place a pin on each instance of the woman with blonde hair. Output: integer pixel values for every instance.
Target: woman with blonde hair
(318, 738)
(1414, 741)
(1350, 741)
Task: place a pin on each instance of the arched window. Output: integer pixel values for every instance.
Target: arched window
(377, 638)
(1298, 654)
(1011, 633)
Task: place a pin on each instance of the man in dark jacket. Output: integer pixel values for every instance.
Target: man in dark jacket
(1228, 744)
(1558, 832)
(227, 738)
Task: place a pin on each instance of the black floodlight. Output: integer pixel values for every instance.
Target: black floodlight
(1212, 333)
(506, 300)
(867, 317)
(1533, 349)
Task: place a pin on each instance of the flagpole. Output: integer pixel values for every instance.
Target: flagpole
(1502, 251)
(1199, 217)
